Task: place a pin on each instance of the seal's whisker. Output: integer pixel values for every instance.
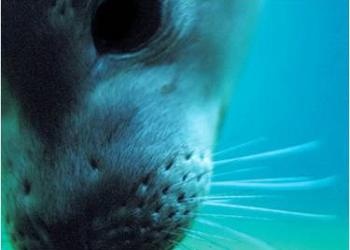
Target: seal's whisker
(190, 235)
(278, 184)
(259, 244)
(240, 170)
(272, 211)
(270, 154)
(228, 197)
(205, 240)
(276, 180)
(196, 232)
(239, 146)
(230, 216)
(192, 178)
(206, 237)
(179, 243)
(194, 237)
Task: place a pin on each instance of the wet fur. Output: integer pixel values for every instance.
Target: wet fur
(86, 135)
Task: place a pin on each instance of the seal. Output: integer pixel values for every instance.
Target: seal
(110, 111)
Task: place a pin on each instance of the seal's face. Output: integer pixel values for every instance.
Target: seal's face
(113, 112)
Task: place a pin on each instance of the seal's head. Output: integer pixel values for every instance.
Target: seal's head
(110, 112)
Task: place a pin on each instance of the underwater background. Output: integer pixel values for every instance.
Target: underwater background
(291, 101)
(293, 91)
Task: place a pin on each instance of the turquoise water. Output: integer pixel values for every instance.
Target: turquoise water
(293, 91)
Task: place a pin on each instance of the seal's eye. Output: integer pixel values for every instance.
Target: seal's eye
(125, 25)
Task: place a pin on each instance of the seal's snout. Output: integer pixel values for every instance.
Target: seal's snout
(148, 209)
(156, 209)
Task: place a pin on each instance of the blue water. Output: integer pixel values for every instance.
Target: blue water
(295, 86)
(293, 90)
